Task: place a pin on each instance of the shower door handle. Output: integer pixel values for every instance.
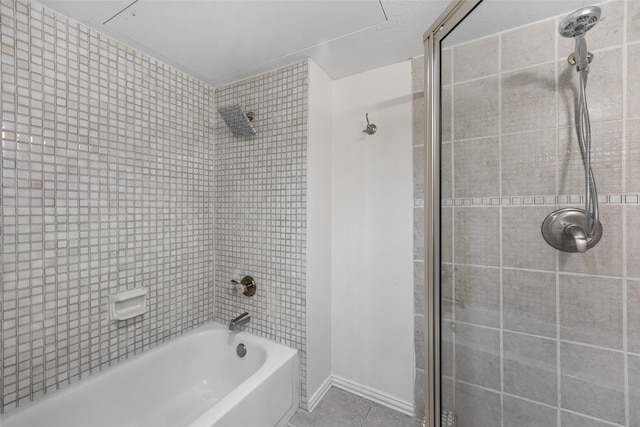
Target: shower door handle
(579, 237)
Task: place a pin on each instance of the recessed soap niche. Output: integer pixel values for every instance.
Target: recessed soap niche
(128, 304)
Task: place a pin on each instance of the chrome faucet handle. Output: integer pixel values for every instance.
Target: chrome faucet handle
(579, 237)
(566, 230)
(247, 286)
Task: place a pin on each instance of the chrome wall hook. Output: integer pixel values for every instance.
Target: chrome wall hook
(371, 128)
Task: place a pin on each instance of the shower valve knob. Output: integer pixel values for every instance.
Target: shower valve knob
(564, 229)
(247, 286)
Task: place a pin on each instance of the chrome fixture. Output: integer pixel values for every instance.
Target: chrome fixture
(238, 121)
(576, 24)
(563, 229)
(371, 128)
(241, 350)
(247, 286)
(243, 319)
(571, 59)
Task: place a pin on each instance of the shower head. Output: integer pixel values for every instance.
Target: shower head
(237, 120)
(579, 22)
(575, 26)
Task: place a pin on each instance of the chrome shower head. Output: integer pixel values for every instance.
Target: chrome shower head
(237, 120)
(575, 26)
(579, 22)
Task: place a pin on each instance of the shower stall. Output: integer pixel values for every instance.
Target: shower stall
(521, 331)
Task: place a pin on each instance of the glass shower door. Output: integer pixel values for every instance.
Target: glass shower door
(530, 335)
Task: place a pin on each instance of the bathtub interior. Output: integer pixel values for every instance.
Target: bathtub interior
(171, 386)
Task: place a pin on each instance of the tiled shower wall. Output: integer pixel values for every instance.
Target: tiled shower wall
(540, 337)
(419, 114)
(106, 166)
(261, 205)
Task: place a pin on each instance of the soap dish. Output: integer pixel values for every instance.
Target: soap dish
(128, 304)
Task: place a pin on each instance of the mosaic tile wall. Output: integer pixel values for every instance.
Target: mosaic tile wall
(260, 207)
(417, 73)
(106, 169)
(541, 337)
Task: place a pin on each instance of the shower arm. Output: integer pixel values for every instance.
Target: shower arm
(581, 55)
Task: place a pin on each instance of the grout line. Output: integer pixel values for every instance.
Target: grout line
(625, 313)
(558, 344)
(599, 420)
(500, 230)
(367, 415)
(557, 255)
(559, 126)
(452, 176)
(555, 270)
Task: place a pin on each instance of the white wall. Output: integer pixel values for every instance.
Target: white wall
(372, 235)
(319, 233)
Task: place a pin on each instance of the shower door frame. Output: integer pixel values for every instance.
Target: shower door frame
(446, 22)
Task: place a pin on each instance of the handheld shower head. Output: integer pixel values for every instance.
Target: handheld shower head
(576, 25)
(579, 22)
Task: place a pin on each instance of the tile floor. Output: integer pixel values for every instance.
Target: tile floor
(341, 409)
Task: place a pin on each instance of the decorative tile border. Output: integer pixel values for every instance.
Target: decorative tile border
(572, 199)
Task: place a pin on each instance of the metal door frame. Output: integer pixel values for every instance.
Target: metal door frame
(448, 20)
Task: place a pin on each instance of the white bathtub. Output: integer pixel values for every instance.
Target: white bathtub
(195, 380)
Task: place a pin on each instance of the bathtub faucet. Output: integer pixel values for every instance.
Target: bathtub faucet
(240, 320)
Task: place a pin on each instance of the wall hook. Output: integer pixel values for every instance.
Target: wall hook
(371, 128)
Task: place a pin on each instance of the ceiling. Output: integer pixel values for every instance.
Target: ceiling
(222, 41)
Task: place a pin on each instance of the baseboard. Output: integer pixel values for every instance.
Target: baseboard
(372, 395)
(319, 394)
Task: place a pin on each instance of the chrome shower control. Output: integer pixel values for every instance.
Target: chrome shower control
(564, 229)
(247, 286)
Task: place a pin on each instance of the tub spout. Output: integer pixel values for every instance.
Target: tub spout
(240, 320)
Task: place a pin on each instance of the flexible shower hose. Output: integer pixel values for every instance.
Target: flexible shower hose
(591, 211)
